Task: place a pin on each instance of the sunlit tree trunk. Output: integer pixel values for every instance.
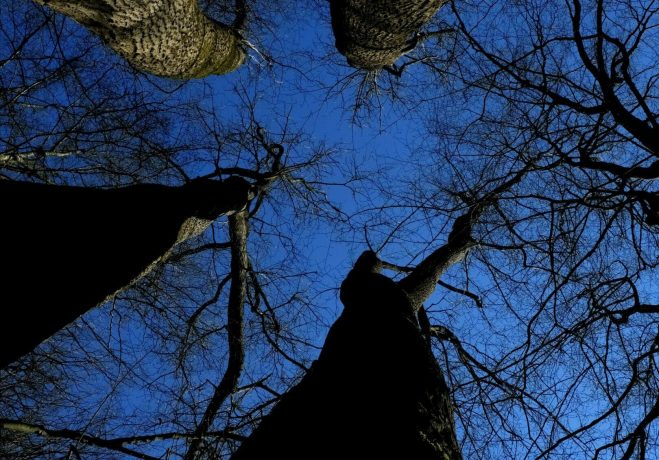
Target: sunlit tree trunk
(66, 249)
(169, 38)
(373, 34)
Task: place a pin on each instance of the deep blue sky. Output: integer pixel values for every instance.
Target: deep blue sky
(394, 145)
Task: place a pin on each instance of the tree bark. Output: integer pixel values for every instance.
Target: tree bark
(66, 249)
(376, 390)
(169, 38)
(372, 34)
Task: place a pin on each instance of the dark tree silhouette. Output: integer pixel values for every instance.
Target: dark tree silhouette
(375, 391)
(67, 249)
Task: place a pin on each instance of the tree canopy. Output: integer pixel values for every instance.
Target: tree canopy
(497, 161)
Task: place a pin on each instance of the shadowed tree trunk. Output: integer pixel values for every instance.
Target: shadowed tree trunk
(169, 38)
(376, 390)
(373, 34)
(66, 249)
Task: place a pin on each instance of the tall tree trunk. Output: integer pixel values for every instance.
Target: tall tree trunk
(372, 34)
(66, 249)
(169, 38)
(376, 390)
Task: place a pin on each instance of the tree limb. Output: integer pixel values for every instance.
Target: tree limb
(421, 282)
(237, 293)
(464, 292)
(115, 444)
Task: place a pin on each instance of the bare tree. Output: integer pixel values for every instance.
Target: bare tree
(566, 258)
(95, 242)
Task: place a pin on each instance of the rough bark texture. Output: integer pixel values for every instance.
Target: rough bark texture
(66, 249)
(372, 34)
(169, 38)
(422, 281)
(376, 390)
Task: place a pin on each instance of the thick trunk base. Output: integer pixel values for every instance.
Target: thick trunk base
(376, 390)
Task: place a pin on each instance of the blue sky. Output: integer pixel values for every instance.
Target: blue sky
(395, 145)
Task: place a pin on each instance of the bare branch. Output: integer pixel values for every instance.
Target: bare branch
(464, 292)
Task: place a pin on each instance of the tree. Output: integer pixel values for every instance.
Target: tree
(549, 101)
(171, 39)
(375, 390)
